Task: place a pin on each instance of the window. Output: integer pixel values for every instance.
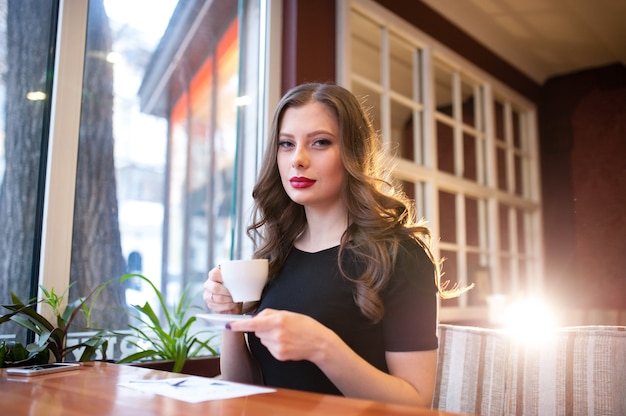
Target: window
(153, 116)
(464, 147)
(176, 132)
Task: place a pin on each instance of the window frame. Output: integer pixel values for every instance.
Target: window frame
(58, 213)
(434, 180)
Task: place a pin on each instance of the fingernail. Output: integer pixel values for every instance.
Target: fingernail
(227, 326)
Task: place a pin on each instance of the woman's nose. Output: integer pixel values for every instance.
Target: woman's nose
(300, 157)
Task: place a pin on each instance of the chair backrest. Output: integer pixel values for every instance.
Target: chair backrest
(471, 372)
(568, 371)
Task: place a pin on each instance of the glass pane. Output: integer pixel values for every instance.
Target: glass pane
(479, 275)
(175, 221)
(498, 117)
(501, 168)
(519, 174)
(506, 284)
(522, 274)
(409, 189)
(472, 222)
(199, 163)
(415, 192)
(503, 216)
(402, 129)
(445, 147)
(26, 39)
(401, 69)
(517, 129)
(366, 47)
(470, 103)
(470, 157)
(450, 273)
(371, 101)
(443, 88)
(447, 217)
(522, 217)
(225, 148)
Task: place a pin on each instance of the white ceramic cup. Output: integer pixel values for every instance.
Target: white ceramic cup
(245, 279)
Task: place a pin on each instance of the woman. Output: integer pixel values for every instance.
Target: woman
(351, 305)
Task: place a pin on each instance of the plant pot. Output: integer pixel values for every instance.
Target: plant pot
(200, 366)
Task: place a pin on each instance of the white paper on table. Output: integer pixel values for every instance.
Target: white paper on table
(195, 389)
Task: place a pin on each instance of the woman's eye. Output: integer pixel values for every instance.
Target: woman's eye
(284, 144)
(322, 142)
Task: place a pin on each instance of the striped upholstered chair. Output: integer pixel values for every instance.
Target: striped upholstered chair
(569, 371)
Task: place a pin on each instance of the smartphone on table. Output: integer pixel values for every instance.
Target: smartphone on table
(35, 370)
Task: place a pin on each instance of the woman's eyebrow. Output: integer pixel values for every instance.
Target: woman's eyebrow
(310, 134)
(318, 132)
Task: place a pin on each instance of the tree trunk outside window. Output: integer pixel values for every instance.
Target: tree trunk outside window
(96, 243)
(26, 57)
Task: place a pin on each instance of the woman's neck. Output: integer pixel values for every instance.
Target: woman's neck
(324, 230)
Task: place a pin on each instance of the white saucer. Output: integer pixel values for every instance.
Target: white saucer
(221, 318)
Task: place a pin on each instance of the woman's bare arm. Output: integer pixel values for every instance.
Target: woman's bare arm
(236, 362)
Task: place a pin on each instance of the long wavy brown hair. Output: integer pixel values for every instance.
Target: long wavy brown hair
(379, 215)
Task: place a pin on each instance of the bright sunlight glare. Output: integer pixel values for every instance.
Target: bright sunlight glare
(149, 16)
(529, 319)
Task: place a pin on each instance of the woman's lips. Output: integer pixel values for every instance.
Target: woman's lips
(300, 182)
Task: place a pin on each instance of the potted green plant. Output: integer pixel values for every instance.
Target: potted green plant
(51, 341)
(170, 344)
(15, 354)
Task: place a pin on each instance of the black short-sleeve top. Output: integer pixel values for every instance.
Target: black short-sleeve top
(311, 284)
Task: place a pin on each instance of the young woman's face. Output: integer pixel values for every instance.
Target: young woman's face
(309, 156)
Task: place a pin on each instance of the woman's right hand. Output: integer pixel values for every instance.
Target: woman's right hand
(217, 297)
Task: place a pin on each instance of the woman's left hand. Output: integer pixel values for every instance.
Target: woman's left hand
(288, 335)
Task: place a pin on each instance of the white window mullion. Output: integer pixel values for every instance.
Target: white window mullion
(493, 230)
(534, 244)
(534, 181)
(479, 143)
(343, 29)
(418, 129)
(431, 190)
(428, 82)
(483, 232)
(66, 100)
(509, 148)
(461, 239)
(490, 141)
(533, 280)
(385, 104)
(492, 223)
(513, 250)
(457, 128)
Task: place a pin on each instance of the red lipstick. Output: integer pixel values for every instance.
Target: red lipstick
(301, 182)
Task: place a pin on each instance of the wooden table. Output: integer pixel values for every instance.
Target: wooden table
(94, 390)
